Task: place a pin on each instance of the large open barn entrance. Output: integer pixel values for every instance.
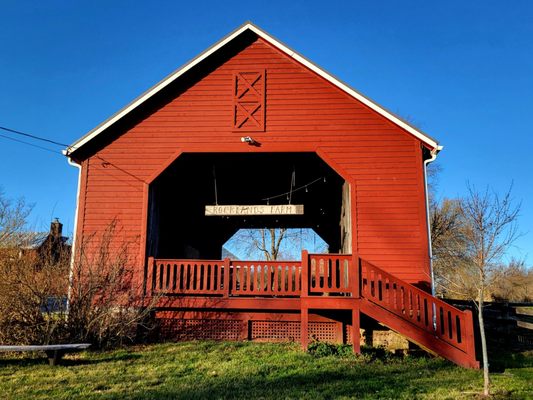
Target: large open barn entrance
(179, 228)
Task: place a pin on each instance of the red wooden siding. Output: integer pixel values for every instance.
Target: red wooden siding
(304, 113)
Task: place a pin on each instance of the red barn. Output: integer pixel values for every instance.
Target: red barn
(215, 147)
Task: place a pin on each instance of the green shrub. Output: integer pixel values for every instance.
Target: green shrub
(368, 353)
(324, 349)
(376, 353)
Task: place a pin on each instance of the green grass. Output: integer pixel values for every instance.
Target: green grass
(210, 370)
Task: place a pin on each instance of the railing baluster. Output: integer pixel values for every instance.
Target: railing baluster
(174, 272)
(154, 275)
(258, 279)
(215, 283)
(226, 277)
(275, 285)
(268, 279)
(161, 267)
(207, 276)
(234, 287)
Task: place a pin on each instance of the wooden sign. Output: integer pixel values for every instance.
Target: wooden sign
(235, 210)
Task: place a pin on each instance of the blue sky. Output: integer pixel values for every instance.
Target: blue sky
(462, 71)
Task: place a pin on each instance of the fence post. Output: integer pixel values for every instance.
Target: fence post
(227, 277)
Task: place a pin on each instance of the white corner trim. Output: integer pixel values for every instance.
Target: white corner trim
(291, 53)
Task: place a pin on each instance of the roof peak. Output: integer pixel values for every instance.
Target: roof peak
(249, 25)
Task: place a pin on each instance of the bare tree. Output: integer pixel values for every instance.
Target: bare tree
(273, 243)
(106, 305)
(514, 282)
(269, 242)
(470, 237)
(33, 290)
(449, 250)
(13, 217)
(490, 228)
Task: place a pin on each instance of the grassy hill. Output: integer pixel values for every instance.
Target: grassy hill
(212, 370)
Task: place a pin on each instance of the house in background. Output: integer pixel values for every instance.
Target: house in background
(250, 134)
(50, 246)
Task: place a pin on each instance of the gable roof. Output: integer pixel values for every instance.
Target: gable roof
(248, 26)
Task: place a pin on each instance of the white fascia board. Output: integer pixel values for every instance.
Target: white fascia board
(279, 45)
(155, 89)
(346, 88)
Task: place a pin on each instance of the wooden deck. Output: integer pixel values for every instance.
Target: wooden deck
(318, 282)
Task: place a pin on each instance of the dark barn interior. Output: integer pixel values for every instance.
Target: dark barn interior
(178, 227)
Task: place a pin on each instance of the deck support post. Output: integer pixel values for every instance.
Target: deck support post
(304, 327)
(356, 325)
(304, 293)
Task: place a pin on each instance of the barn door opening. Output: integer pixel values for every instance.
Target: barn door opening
(300, 190)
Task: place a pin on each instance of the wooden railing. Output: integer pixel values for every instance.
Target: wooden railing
(204, 277)
(226, 278)
(418, 307)
(330, 273)
(270, 278)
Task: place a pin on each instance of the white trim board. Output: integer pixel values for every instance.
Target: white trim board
(291, 53)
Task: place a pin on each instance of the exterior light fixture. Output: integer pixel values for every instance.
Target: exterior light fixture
(248, 139)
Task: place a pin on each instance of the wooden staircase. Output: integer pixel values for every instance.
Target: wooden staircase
(422, 318)
(425, 320)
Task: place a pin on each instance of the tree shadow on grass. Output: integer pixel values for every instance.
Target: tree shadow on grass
(355, 382)
(499, 361)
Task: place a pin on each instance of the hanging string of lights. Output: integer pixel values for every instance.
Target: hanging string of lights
(267, 199)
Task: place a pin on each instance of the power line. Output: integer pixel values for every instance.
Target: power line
(33, 136)
(104, 161)
(30, 144)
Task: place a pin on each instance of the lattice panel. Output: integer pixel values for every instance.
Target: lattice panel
(201, 329)
(290, 330)
(323, 331)
(249, 101)
(276, 330)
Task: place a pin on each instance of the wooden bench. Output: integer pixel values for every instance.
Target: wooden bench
(54, 352)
